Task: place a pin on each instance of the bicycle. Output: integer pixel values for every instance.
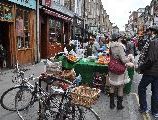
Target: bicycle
(56, 105)
(8, 97)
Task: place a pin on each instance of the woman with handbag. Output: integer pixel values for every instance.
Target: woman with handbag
(117, 70)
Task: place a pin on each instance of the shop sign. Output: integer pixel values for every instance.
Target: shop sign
(27, 3)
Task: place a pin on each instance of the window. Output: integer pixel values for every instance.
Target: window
(55, 31)
(52, 34)
(22, 28)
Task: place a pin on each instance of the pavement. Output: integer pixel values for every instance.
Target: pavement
(130, 112)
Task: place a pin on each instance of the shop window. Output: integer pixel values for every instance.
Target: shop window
(22, 28)
(6, 12)
(55, 31)
(59, 31)
(52, 34)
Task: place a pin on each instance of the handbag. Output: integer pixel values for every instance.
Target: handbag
(116, 66)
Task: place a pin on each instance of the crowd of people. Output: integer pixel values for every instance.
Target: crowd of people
(126, 49)
(147, 66)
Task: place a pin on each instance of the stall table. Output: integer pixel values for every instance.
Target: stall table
(87, 69)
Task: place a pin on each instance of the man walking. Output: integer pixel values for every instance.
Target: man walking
(148, 66)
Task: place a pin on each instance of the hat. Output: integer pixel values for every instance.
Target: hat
(115, 36)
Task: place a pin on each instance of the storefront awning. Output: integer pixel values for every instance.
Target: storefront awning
(57, 7)
(56, 14)
(62, 9)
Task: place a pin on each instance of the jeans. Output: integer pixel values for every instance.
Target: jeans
(145, 81)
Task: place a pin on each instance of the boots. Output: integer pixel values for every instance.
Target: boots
(119, 102)
(112, 104)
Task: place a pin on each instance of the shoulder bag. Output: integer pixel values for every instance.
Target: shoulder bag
(116, 66)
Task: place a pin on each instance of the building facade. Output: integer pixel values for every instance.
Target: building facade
(55, 27)
(17, 30)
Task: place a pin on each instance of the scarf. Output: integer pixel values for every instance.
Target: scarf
(149, 54)
(143, 53)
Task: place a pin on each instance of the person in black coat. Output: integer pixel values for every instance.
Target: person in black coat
(3, 54)
(148, 66)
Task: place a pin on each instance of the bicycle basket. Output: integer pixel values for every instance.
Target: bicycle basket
(85, 96)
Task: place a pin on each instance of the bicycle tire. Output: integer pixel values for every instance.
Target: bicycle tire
(47, 112)
(47, 104)
(9, 103)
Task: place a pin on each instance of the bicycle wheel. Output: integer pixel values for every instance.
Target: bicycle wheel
(68, 112)
(8, 97)
(29, 113)
(39, 109)
(88, 114)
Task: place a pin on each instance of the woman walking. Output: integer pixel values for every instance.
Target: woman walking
(117, 51)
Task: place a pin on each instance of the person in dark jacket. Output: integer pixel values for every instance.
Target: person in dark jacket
(3, 55)
(149, 59)
(140, 42)
(131, 48)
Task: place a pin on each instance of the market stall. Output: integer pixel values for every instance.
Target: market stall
(86, 67)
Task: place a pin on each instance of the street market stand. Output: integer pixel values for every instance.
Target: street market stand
(87, 68)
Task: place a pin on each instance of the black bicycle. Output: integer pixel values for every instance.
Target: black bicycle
(8, 97)
(55, 105)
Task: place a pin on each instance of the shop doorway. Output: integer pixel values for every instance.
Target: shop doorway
(5, 42)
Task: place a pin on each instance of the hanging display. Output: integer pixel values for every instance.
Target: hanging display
(6, 13)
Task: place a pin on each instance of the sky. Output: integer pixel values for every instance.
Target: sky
(118, 10)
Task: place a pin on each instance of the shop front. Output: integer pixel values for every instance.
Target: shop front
(54, 28)
(17, 24)
(6, 35)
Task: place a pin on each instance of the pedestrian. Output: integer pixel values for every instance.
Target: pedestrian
(89, 47)
(95, 46)
(117, 51)
(131, 48)
(92, 47)
(102, 44)
(141, 41)
(148, 66)
(3, 55)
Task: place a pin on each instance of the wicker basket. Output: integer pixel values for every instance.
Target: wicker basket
(85, 96)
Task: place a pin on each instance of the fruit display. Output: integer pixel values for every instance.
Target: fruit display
(72, 58)
(103, 60)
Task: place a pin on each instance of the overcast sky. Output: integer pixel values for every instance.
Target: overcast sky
(118, 10)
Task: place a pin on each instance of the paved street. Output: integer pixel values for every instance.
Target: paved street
(102, 107)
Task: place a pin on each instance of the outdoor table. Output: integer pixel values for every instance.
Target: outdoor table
(86, 69)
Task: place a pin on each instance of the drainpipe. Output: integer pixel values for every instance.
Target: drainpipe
(84, 18)
(37, 32)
